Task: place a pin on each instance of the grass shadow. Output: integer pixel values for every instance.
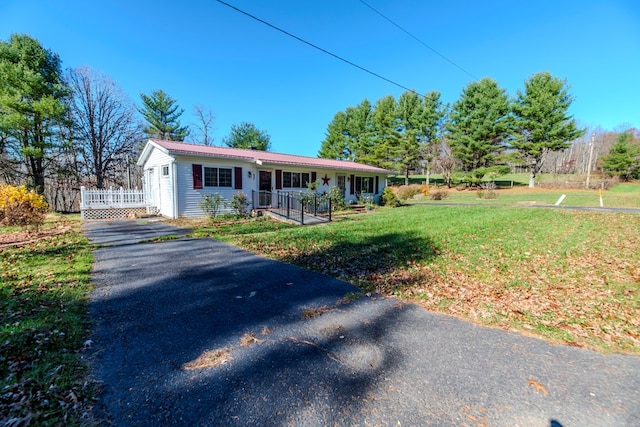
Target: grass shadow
(372, 255)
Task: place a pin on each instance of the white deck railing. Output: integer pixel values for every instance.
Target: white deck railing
(110, 198)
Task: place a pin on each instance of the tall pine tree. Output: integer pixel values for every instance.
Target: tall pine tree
(479, 124)
(386, 135)
(412, 127)
(542, 121)
(31, 105)
(162, 115)
(348, 134)
(247, 135)
(623, 159)
(419, 120)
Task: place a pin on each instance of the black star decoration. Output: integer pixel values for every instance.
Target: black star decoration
(325, 180)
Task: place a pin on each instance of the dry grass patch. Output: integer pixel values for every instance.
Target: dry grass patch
(248, 339)
(311, 312)
(209, 359)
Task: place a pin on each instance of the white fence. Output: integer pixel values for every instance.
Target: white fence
(111, 204)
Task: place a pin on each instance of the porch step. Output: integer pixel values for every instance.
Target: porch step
(359, 208)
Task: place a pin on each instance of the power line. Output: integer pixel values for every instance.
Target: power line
(419, 41)
(317, 47)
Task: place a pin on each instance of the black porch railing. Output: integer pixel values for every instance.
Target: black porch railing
(301, 207)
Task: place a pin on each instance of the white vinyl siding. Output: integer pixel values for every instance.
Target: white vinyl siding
(189, 198)
(161, 189)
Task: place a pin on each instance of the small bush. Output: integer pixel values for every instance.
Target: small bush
(487, 191)
(366, 199)
(307, 198)
(389, 198)
(424, 189)
(211, 204)
(20, 207)
(607, 183)
(439, 195)
(240, 204)
(406, 192)
(338, 202)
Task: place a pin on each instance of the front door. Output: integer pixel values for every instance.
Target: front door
(265, 189)
(153, 190)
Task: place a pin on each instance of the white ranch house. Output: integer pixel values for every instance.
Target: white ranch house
(177, 175)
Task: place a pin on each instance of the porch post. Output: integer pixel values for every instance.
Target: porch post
(315, 204)
(288, 206)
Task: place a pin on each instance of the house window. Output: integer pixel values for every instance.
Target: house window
(210, 177)
(165, 170)
(364, 184)
(217, 177)
(295, 179)
(286, 179)
(367, 183)
(224, 177)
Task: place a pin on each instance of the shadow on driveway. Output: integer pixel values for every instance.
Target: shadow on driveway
(372, 361)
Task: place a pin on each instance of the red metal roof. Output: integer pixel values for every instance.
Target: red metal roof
(266, 157)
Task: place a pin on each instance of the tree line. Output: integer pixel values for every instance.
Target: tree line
(61, 129)
(484, 131)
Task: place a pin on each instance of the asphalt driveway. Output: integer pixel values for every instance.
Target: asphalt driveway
(295, 348)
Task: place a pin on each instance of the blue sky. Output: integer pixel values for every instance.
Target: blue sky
(204, 53)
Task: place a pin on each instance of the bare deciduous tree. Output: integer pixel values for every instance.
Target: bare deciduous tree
(204, 125)
(445, 163)
(106, 133)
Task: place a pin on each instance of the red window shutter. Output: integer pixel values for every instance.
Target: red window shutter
(238, 178)
(197, 176)
(377, 184)
(314, 176)
(352, 185)
(278, 179)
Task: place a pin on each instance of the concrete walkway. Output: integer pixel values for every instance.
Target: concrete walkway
(296, 349)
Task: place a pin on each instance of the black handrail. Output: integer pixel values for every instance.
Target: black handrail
(293, 205)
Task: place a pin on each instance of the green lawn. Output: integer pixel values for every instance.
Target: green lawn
(632, 188)
(569, 276)
(622, 195)
(43, 295)
(513, 190)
